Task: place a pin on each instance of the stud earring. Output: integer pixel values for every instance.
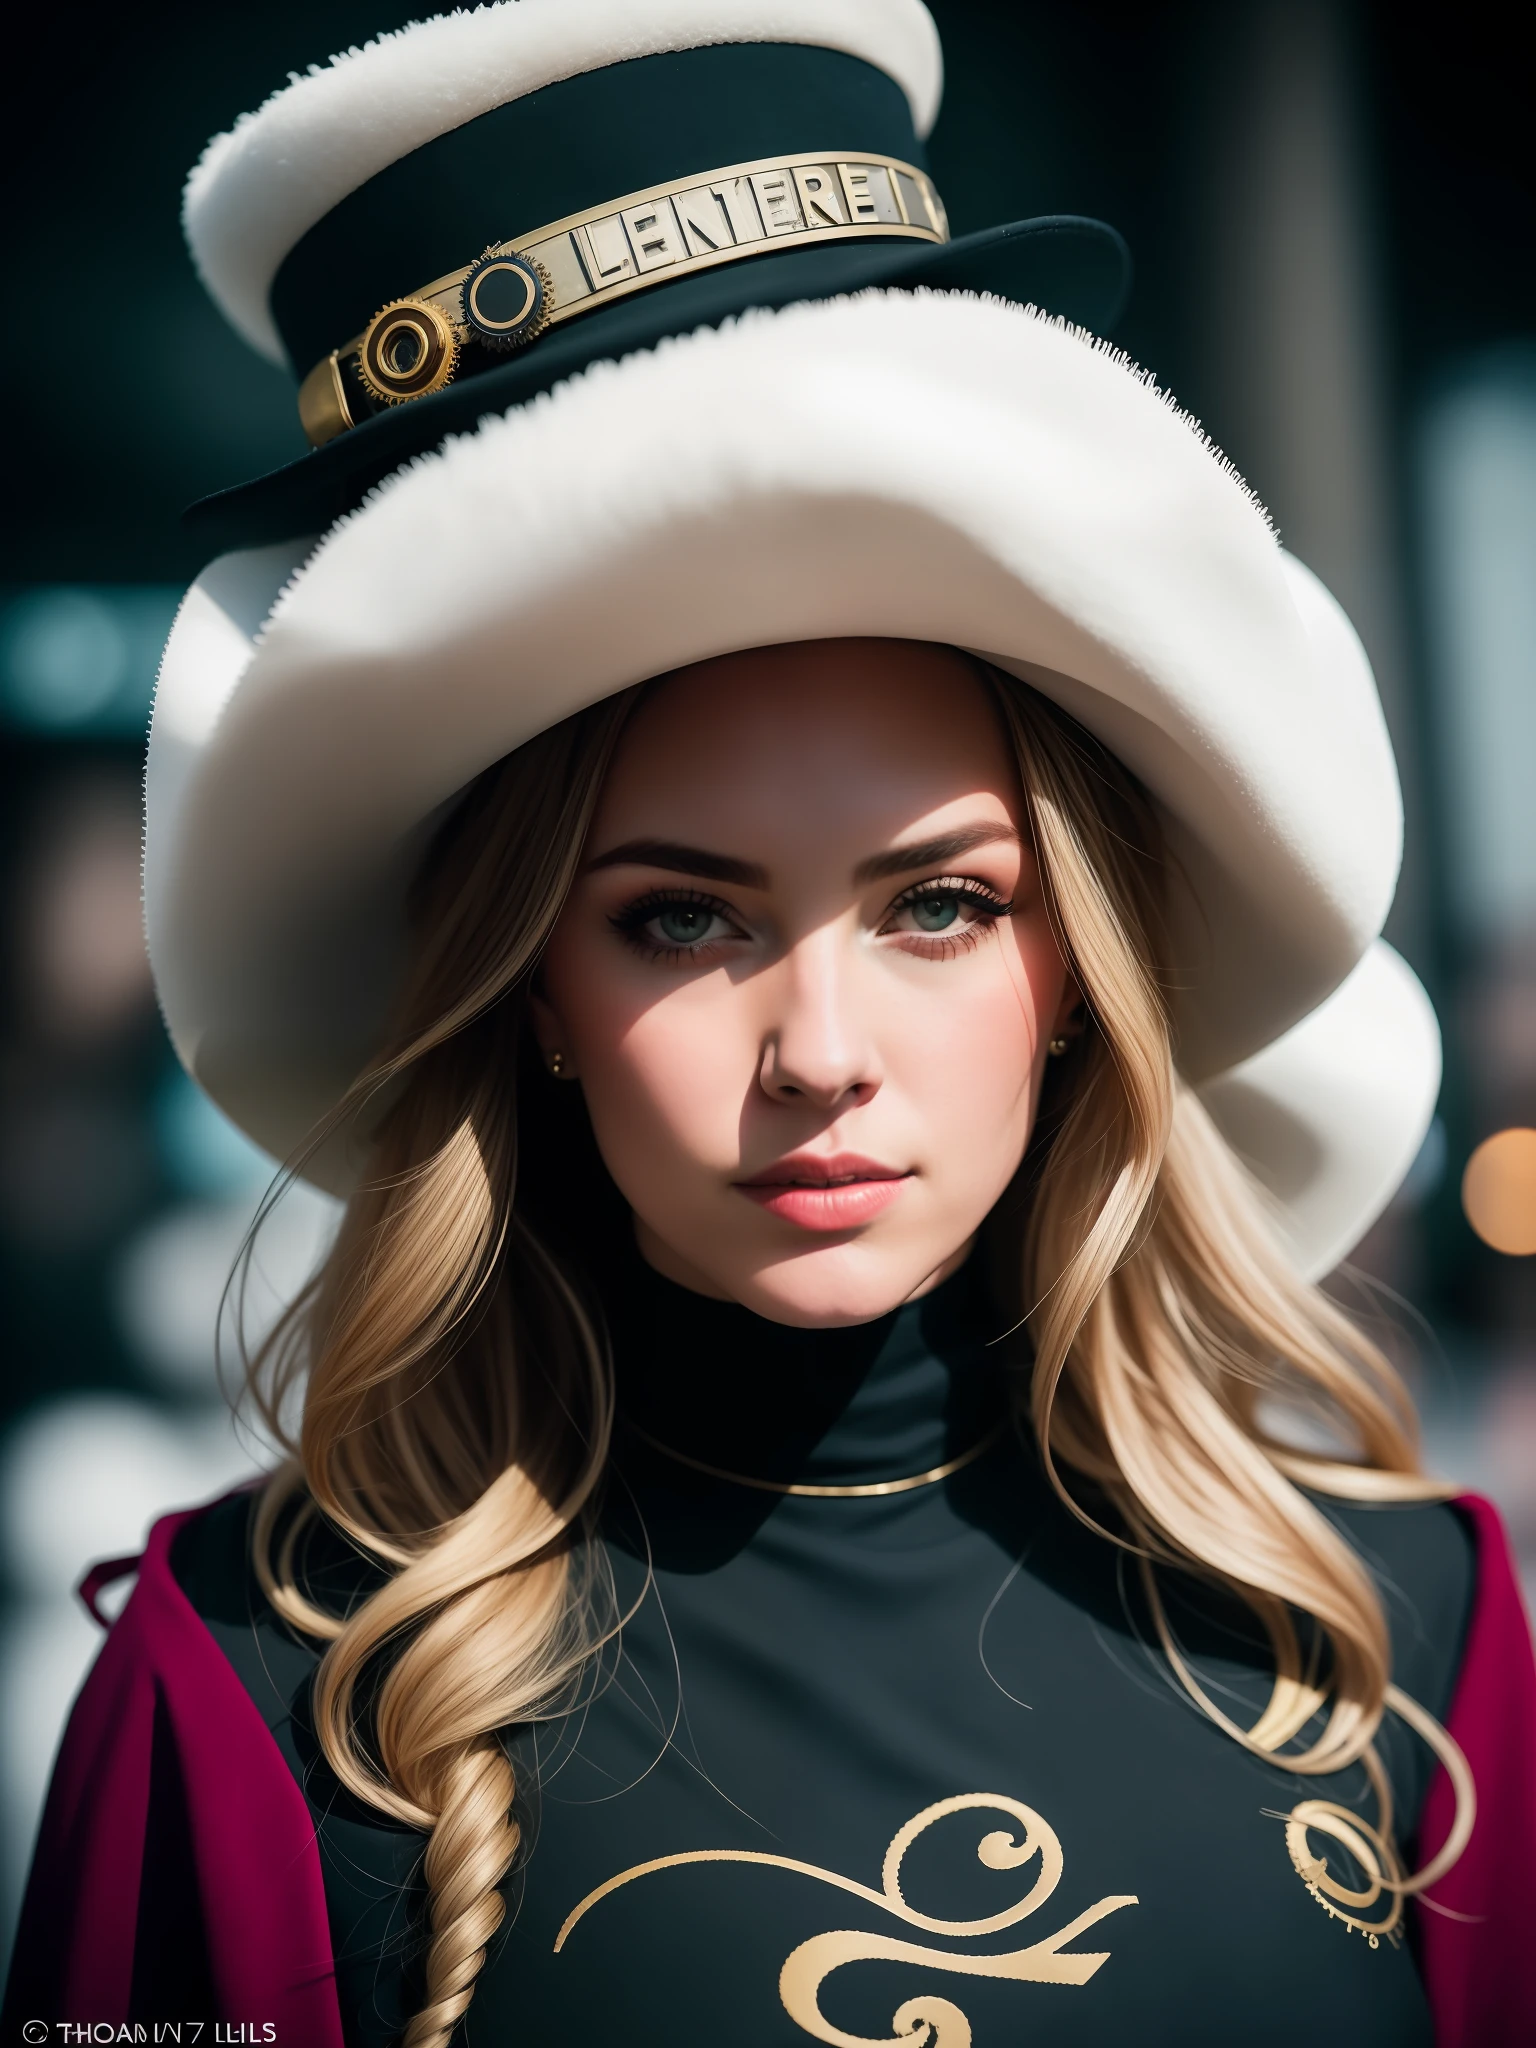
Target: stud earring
(556, 1064)
(1057, 1047)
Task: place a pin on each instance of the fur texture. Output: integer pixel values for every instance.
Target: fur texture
(929, 466)
(257, 189)
(1331, 1116)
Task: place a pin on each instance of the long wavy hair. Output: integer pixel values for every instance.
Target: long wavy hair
(457, 1395)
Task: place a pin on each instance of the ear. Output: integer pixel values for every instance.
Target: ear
(1071, 1019)
(549, 1031)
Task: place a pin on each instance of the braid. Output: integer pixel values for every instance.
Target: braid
(474, 1840)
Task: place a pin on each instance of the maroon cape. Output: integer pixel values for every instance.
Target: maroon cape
(88, 1915)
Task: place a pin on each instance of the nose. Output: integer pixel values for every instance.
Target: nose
(816, 1049)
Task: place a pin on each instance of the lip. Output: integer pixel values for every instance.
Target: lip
(825, 1192)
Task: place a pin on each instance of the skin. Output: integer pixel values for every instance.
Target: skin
(791, 998)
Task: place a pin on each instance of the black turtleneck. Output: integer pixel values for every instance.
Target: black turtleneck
(803, 1682)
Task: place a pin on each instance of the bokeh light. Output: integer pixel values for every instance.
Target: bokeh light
(1498, 1192)
(83, 971)
(82, 660)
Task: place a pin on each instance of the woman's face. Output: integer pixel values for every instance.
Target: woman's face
(806, 978)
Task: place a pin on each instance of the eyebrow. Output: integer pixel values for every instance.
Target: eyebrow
(683, 860)
(746, 874)
(932, 853)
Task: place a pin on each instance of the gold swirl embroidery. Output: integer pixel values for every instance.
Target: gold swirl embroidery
(1371, 1849)
(926, 2021)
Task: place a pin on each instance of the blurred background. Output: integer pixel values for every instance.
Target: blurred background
(1333, 212)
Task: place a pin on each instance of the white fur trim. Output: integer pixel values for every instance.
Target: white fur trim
(928, 466)
(258, 189)
(1331, 1116)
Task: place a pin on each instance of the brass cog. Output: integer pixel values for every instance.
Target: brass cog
(409, 349)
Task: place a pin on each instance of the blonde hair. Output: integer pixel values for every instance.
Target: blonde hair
(457, 1393)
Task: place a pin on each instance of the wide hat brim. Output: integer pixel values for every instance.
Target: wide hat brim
(925, 466)
(1064, 264)
(1332, 1115)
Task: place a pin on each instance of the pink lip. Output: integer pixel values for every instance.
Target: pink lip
(818, 1193)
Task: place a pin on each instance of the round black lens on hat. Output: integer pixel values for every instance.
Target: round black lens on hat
(569, 150)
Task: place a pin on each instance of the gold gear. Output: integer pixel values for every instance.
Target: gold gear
(409, 349)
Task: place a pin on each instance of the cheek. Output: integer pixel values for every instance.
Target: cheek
(971, 1064)
(663, 1075)
(970, 1044)
(670, 1087)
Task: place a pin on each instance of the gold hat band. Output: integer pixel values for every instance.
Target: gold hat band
(517, 289)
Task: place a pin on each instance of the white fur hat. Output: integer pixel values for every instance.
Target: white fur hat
(929, 466)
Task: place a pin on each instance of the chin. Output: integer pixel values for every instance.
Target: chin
(836, 1287)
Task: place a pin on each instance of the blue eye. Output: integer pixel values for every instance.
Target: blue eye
(960, 912)
(684, 924)
(672, 922)
(935, 913)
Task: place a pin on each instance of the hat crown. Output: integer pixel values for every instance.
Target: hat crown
(260, 189)
(591, 144)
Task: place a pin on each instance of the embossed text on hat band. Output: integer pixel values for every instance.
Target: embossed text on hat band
(517, 289)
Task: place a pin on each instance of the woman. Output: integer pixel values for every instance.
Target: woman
(823, 1503)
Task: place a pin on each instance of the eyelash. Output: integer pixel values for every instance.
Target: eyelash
(631, 920)
(991, 909)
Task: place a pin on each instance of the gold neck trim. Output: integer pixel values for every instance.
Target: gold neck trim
(870, 1489)
(516, 290)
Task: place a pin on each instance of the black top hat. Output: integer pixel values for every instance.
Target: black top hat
(457, 217)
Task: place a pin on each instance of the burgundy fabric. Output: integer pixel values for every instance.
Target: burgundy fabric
(1477, 1951)
(99, 1577)
(88, 1919)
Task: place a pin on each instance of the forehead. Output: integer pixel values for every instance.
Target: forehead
(835, 736)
